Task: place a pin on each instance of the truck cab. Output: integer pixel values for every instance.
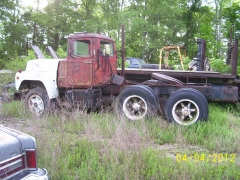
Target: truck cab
(91, 63)
(91, 60)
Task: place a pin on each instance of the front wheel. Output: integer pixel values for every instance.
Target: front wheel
(37, 101)
(186, 106)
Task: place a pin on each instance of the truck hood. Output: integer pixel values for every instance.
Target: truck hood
(43, 65)
(13, 143)
(40, 70)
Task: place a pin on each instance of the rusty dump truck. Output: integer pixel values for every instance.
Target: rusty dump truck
(89, 78)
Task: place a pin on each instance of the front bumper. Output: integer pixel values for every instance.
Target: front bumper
(38, 174)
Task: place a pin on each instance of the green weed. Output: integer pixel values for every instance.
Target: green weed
(6, 77)
(14, 109)
(78, 145)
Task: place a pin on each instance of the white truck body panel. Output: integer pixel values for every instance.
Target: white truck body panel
(43, 70)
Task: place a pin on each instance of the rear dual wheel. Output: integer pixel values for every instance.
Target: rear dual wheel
(137, 102)
(186, 106)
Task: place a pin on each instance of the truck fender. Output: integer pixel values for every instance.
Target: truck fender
(39, 73)
(44, 80)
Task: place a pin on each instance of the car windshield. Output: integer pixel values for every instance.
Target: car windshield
(138, 61)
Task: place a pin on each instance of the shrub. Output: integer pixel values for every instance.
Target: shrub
(61, 53)
(19, 63)
(219, 65)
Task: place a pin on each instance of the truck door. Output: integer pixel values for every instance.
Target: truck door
(107, 62)
(80, 63)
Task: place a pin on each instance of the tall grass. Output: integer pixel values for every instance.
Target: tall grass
(77, 145)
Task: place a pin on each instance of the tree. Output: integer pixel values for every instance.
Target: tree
(13, 31)
(193, 7)
(60, 16)
(150, 25)
(6, 9)
(232, 16)
(204, 20)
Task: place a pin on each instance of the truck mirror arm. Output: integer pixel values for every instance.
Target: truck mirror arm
(105, 58)
(99, 53)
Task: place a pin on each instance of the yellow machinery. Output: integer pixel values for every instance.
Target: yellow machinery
(167, 50)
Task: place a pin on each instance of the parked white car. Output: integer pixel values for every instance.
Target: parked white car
(18, 160)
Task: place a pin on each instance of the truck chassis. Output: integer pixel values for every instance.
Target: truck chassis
(88, 78)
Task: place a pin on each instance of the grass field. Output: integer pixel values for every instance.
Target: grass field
(77, 145)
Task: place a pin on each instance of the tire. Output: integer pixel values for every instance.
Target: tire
(191, 89)
(37, 101)
(136, 103)
(157, 102)
(153, 93)
(186, 106)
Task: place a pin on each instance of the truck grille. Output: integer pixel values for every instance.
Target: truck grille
(11, 166)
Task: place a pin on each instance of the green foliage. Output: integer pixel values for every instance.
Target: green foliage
(61, 53)
(6, 77)
(175, 63)
(77, 145)
(14, 109)
(148, 26)
(218, 65)
(205, 31)
(13, 30)
(186, 61)
(232, 15)
(119, 62)
(191, 23)
(217, 130)
(16, 64)
(19, 63)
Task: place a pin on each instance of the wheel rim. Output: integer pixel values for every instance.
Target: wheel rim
(185, 112)
(134, 107)
(35, 104)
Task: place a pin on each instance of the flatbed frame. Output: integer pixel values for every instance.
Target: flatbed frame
(142, 75)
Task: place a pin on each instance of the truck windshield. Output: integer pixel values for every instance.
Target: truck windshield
(81, 48)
